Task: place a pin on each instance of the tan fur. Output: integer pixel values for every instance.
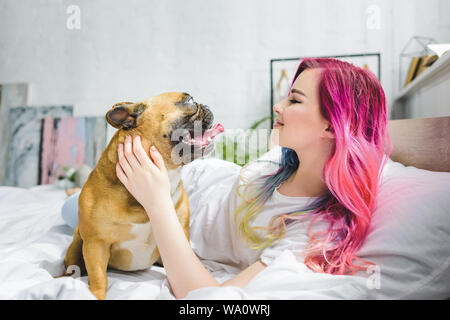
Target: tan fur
(109, 214)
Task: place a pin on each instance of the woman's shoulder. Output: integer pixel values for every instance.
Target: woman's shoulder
(209, 164)
(206, 172)
(267, 163)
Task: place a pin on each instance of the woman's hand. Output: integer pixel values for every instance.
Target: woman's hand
(144, 177)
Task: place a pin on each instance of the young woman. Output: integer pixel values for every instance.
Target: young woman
(332, 130)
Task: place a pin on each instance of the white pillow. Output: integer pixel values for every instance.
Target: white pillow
(409, 238)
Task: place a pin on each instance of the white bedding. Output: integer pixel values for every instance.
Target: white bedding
(34, 239)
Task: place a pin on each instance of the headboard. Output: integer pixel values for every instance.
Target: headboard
(422, 143)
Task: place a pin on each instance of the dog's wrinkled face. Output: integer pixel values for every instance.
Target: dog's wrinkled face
(178, 126)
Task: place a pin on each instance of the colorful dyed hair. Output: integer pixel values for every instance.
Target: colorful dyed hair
(353, 101)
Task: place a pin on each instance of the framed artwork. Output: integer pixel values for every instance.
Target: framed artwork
(11, 95)
(282, 72)
(70, 142)
(25, 126)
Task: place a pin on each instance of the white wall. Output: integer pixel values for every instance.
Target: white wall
(219, 51)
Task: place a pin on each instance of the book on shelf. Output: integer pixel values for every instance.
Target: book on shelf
(419, 65)
(427, 61)
(413, 68)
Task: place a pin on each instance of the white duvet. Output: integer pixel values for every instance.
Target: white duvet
(34, 239)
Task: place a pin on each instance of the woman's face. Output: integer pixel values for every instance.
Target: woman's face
(298, 118)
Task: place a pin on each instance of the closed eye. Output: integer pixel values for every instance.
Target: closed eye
(294, 101)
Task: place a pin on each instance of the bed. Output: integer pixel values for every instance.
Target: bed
(408, 240)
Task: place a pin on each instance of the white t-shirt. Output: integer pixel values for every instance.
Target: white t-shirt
(211, 186)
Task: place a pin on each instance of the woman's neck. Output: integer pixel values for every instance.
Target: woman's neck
(307, 180)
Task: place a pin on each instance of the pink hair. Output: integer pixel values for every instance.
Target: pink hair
(353, 101)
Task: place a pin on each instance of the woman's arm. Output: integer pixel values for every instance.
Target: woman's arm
(184, 270)
(244, 277)
(148, 182)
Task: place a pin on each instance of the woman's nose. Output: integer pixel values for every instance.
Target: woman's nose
(277, 108)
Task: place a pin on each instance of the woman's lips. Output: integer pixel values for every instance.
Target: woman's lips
(278, 123)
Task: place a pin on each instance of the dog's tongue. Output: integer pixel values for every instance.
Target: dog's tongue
(214, 131)
(211, 133)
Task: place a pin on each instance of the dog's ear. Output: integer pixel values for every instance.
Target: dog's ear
(124, 114)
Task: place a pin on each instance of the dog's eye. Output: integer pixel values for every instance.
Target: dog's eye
(190, 101)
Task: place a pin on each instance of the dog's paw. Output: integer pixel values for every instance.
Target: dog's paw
(99, 294)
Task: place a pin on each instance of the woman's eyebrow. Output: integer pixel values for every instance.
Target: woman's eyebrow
(298, 91)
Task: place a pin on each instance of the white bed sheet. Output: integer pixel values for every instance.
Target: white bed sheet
(34, 239)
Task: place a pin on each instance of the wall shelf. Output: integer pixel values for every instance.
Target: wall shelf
(427, 95)
(426, 77)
